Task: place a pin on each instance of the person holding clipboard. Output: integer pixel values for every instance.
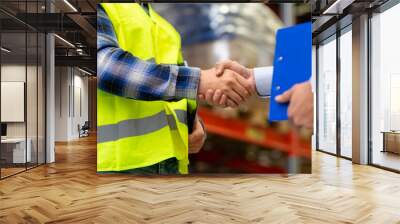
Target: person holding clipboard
(288, 81)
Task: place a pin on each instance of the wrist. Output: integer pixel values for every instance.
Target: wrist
(252, 80)
(200, 88)
(203, 86)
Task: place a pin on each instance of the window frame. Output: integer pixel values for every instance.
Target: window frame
(340, 30)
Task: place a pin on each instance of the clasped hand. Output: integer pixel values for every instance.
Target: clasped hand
(226, 84)
(229, 84)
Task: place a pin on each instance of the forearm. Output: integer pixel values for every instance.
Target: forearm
(263, 80)
(125, 75)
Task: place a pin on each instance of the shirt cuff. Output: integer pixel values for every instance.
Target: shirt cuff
(187, 82)
(263, 80)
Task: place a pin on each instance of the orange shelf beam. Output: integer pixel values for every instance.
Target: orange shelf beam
(289, 143)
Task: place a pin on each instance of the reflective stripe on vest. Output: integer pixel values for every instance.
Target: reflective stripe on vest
(134, 133)
(141, 126)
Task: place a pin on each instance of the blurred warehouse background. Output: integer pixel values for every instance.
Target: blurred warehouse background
(240, 140)
(60, 75)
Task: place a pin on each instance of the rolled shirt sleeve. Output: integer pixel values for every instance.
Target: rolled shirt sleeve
(263, 80)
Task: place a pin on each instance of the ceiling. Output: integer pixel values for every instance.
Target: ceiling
(72, 20)
(328, 16)
(75, 22)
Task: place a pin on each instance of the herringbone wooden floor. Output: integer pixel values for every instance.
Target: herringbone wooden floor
(70, 191)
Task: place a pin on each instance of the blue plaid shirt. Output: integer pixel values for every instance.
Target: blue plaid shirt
(121, 73)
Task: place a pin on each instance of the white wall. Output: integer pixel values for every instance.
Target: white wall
(80, 109)
(71, 93)
(33, 126)
(14, 73)
(62, 81)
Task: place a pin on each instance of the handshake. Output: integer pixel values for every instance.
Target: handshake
(228, 83)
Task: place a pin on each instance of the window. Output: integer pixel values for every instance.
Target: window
(22, 78)
(346, 92)
(385, 89)
(327, 96)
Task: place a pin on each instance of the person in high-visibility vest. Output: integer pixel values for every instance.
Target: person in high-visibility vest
(146, 97)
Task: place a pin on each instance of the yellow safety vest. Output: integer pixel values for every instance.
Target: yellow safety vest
(134, 133)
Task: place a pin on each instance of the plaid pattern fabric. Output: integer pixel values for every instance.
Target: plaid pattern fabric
(123, 74)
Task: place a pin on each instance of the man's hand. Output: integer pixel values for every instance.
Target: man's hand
(234, 66)
(301, 104)
(230, 84)
(218, 96)
(197, 137)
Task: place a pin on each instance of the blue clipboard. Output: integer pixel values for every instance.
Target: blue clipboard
(292, 65)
